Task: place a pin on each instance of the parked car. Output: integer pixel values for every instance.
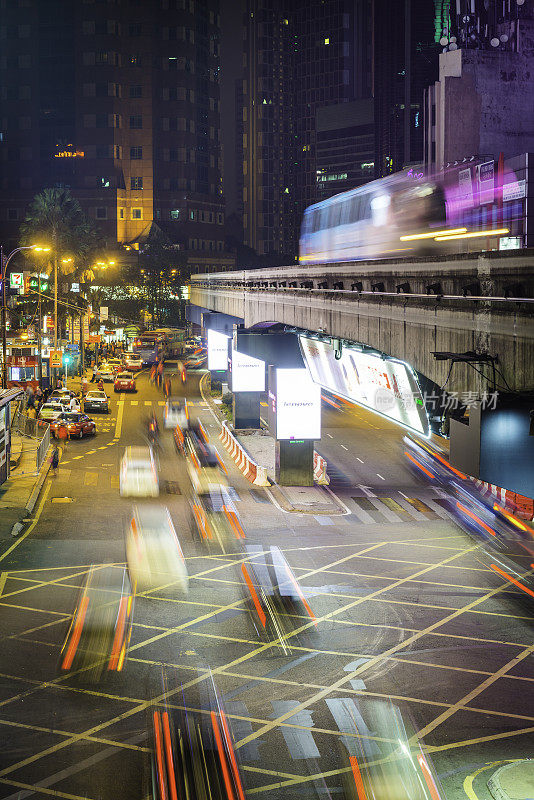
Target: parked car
(96, 401)
(124, 382)
(77, 424)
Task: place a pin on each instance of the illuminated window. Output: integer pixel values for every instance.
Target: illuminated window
(104, 182)
(136, 183)
(175, 213)
(137, 213)
(121, 213)
(327, 41)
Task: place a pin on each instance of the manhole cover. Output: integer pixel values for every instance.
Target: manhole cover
(62, 500)
(171, 487)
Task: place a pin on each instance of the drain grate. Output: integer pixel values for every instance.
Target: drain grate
(171, 487)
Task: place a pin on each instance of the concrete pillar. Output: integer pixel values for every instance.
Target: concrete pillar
(246, 409)
(294, 462)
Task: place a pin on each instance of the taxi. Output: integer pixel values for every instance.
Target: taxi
(76, 424)
(124, 382)
(153, 552)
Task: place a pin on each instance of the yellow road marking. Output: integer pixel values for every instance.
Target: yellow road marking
(42, 790)
(120, 412)
(33, 524)
(58, 732)
(114, 481)
(3, 578)
(468, 782)
(393, 505)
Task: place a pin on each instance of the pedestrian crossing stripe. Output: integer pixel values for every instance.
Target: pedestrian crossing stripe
(148, 402)
(373, 510)
(134, 402)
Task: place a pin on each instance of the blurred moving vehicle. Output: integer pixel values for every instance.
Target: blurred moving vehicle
(100, 629)
(506, 541)
(277, 604)
(153, 550)
(96, 400)
(216, 520)
(193, 755)
(50, 411)
(138, 474)
(196, 360)
(132, 361)
(204, 465)
(124, 382)
(77, 424)
(386, 760)
(176, 413)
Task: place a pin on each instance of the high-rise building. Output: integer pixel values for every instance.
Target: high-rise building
(120, 103)
(404, 62)
(300, 56)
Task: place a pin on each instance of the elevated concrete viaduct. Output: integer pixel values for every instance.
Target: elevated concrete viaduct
(407, 308)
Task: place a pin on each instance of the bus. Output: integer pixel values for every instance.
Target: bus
(151, 347)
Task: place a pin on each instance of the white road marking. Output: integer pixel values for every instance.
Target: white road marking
(344, 448)
(379, 475)
(329, 435)
(359, 459)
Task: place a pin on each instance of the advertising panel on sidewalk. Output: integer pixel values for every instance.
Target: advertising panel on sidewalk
(56, 358)
(217, 350)
(294, 404)
(384, 385)
(247, 373)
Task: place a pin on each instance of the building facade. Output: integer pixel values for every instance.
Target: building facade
(121, 105)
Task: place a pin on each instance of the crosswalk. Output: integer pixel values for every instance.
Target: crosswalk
(400, 508)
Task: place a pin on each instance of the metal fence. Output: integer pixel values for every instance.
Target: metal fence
(42, 449)
(36, 430)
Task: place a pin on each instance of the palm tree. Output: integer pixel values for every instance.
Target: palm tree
(56, 218)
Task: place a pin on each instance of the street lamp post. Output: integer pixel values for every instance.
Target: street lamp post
(4, 263)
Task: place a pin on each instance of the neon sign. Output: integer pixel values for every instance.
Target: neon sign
(70, 154)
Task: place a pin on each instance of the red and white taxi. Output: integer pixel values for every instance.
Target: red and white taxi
(124, 382)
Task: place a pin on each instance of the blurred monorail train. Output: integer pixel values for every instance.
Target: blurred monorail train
(405, 214)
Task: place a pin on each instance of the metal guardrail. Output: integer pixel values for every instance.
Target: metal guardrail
(42, 449)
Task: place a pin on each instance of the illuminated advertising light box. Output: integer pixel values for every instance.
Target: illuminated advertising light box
(386, 386)
(217, 350)
(247, 373)
(294, 404)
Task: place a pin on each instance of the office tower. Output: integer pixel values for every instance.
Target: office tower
(120, 103)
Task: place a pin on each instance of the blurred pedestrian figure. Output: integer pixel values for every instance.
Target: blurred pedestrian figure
(160, 373)
(32, 412)
(59, 384)
(153, 374)
(167, 388)
(63, 434)
(54, 459)
(101, 385)
(85, 385)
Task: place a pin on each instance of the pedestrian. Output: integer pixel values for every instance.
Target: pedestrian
(59, 384)
(101, 385)
(63, 434)
(31, 413)
(74, 404)
(85, 386)
(152, 374)
(54, 459)
(167, 388)
(160, 373)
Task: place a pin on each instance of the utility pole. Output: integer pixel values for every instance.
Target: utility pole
(39, 346)
(55, 306)
(4, 320)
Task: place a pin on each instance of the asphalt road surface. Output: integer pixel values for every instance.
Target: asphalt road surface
(404, 610)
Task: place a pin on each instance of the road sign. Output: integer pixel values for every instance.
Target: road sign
(56, 358)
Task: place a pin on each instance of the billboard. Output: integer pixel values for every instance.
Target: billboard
(217, 350)
(247, 373)
(294, 404)
(381, 384)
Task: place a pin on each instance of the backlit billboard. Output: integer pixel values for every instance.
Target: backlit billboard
(294, 404)
(384, 385)
(247, 373)
(217, 350)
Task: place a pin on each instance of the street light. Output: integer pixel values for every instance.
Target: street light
(4, 263)
(66, 361)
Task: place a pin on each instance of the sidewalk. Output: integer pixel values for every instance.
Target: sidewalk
(19, 493)
(513, 781)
